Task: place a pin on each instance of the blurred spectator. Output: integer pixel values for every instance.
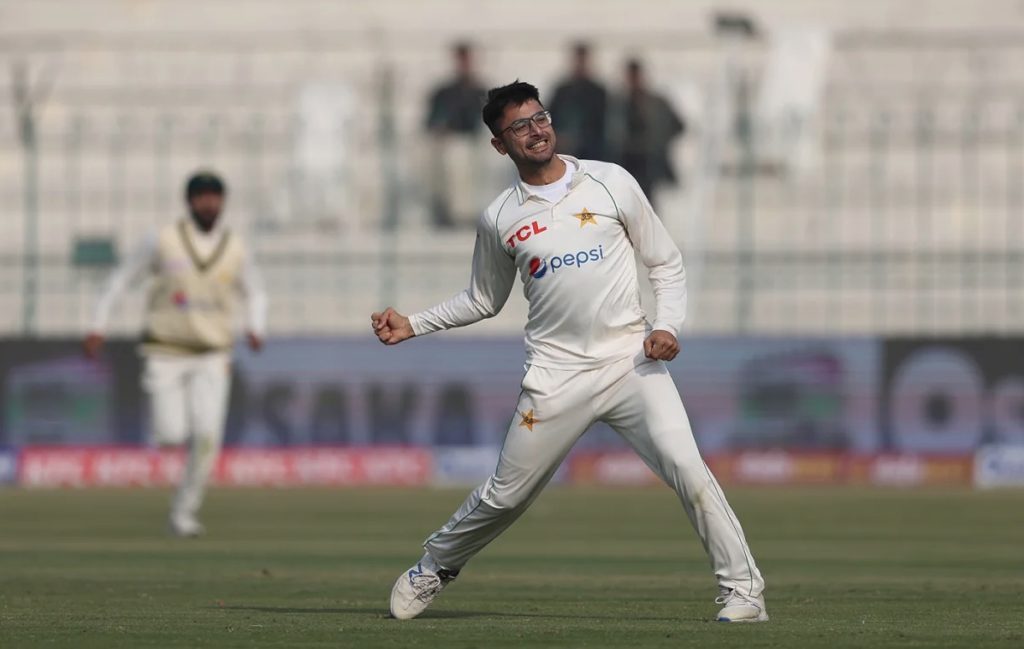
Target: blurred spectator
(579, 109)
(642, 126)
(453, 119)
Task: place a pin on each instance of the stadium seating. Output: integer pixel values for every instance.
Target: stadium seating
(908, 212)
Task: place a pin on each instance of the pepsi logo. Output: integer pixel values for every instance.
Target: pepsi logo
(538, 267)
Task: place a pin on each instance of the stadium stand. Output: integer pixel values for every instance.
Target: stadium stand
(901, 215)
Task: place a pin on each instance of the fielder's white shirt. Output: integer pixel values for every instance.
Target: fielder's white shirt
(577, 263)
(143, 260)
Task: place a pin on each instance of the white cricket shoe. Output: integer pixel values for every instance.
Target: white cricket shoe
(417, 587)
(186, 527)
(738, 607)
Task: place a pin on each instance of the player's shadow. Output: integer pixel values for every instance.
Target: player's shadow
(376, 612)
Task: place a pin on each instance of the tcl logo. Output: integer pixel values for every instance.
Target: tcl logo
(525, 232)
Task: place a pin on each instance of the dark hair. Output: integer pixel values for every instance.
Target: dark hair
(516, 93)
(204, 182)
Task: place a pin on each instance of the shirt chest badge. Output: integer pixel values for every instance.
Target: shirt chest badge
(585, 217)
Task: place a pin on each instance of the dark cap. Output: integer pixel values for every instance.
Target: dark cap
(204, 182)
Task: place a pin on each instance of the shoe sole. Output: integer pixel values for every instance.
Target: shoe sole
(184, 534)
(763, 617)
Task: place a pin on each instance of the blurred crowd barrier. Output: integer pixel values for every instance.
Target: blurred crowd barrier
(824, 410)
(832, 182)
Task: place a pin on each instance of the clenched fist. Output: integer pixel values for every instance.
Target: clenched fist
(661, 346)
(391, 327)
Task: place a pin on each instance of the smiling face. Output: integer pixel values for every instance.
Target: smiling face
(534, 148)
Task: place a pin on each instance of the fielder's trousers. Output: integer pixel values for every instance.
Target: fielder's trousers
(188, 397)
(637, 398)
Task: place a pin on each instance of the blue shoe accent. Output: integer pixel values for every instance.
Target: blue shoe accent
(415, 572)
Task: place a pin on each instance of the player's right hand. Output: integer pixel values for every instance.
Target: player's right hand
(92, 344)
(391, 327)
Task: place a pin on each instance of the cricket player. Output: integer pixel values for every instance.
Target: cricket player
(571, 229)
(197, 267)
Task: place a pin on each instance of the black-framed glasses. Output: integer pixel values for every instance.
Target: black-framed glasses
(521, 127)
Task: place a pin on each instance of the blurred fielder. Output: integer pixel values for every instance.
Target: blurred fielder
(572, 228)
(197, 266)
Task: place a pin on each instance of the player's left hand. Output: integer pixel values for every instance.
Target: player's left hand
(255, 342)
(661, 345)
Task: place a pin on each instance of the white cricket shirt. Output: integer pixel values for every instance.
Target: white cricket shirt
(578, 267)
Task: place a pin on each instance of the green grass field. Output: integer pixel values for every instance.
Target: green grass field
(584, 568)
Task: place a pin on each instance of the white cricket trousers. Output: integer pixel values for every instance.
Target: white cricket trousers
(188, 398)
(637, 398)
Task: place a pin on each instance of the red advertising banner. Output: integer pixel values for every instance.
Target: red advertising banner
(913, 470)
(787, 468)
(294, 467)
(610, 468)
(43, 467)
(98, 467)
(779, 467)
(325, 467)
